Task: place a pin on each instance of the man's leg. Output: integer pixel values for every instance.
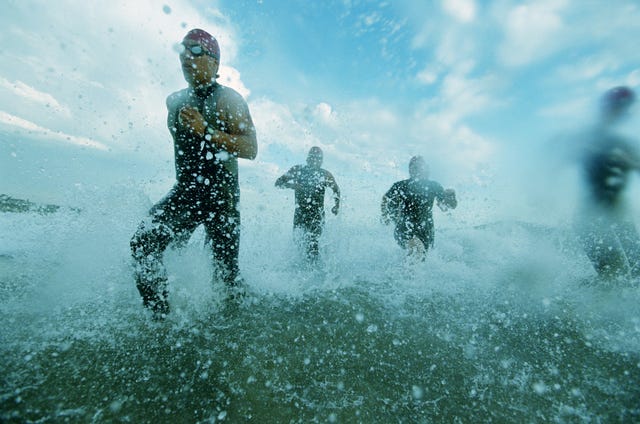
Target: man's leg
(223, 232)
(602, 246)
(307, 229)
(420, 243)
(416, 248)
(402, 235)
(313, 233)
(171, 218)
(147, 248)
(312, 247)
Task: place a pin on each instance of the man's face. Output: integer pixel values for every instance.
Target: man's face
(314, 159)
(198, 67)
(617, 112)
(418, 168)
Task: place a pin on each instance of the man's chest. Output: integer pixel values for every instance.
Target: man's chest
(211, 108)
(418, 196)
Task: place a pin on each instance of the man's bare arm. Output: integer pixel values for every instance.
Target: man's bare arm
(239, 138)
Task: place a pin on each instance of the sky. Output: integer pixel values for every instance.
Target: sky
(480, 88)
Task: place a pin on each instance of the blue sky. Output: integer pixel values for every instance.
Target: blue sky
(474, 86)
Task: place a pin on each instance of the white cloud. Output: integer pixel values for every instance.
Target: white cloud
(532, 31)
(633, 79)
(371, 19)
(106, 70)
(444, 139)
(285, 134)
(461, 10)
(324, 113)
(18, 123)
(366, 143)
(26, 92)
(587, 68)
(462, 96)
(427, 76)
(277, 124)
(572, 111)
(231, 77)
(458, 48)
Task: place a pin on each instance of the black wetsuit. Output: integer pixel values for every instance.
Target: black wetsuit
(608, 237)
(206, 192)
(310, 185)
(410, 206)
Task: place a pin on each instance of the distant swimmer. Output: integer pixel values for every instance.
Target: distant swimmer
(309, 183)
(607, 234)
(409, 204)
(211, 128)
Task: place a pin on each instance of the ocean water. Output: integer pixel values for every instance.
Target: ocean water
(497, 325)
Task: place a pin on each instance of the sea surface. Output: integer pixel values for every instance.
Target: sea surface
(503, 322)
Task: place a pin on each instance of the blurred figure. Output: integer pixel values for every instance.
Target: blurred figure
(409, 204)
(607, 234)
(211, 128)
(309, 183)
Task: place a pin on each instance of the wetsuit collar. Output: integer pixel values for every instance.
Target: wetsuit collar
(204, 92)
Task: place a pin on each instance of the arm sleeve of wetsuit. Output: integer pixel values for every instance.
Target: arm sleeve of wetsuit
(446, 198)
(288, 180)
(388, 207)
(331, 182)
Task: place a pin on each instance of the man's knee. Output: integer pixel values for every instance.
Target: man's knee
(150, 239)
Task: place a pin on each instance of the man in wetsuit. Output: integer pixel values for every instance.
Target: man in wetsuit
(409, 204)
(309, 183)
(607, 234)
(211, 128)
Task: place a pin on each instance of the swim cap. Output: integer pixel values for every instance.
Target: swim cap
(206, 40)
(618, 98)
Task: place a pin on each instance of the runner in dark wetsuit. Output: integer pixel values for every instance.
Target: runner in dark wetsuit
(409, 204)
(309, 182)
(211, 127)
(608, 236)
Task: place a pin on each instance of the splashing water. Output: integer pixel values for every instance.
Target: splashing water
(493, 326)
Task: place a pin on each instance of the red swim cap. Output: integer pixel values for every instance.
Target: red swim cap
(206, 40)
